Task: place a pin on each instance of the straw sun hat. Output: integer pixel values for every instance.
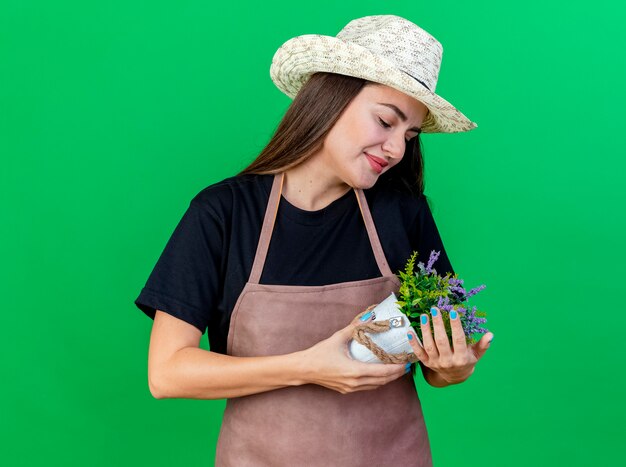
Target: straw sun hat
(386, 49)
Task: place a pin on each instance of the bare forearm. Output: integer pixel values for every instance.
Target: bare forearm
(194, 373)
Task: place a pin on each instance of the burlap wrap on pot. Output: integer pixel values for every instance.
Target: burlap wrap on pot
(392, 347)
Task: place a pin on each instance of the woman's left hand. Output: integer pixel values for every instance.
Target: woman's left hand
(453, 365)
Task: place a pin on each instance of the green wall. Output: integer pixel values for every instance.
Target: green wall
(113, 115)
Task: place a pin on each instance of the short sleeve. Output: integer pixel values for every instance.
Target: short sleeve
(426, 238)
(186, 278)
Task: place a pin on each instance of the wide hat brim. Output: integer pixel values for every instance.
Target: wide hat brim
(300, 57)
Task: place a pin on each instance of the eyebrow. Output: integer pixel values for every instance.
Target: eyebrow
(400, 114)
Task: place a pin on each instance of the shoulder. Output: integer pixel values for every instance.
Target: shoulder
(224, 196)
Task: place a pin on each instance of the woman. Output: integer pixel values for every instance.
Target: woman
(278, 261)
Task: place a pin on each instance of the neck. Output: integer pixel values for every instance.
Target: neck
(311, 186)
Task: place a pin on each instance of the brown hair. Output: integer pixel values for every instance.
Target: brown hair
(313, 112)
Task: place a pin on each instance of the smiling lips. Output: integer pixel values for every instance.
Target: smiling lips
(376, 162)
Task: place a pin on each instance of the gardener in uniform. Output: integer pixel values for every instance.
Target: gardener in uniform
(277, 262)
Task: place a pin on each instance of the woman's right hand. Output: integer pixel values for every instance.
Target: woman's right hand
(329, 364)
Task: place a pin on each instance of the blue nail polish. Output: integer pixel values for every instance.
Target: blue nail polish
(433, 311)
(410, 336)
(407, 368)
(424, 319)
(366, 316)
(453, 314)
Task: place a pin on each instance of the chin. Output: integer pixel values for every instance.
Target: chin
(364, 183)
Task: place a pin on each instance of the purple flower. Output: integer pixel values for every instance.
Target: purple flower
(443, 303)
(434, 255)
(475, 290)
(471, 323)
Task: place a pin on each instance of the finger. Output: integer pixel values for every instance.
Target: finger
(380, 381)
(427, 338)
(370, 387)
(480, 347)
(380, 370)
(361, 318)
(441, 337)
(459, 341)
(416, 345)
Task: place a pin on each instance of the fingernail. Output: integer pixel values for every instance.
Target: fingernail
(424, 319)
(410, 336)
(491, 340)
(366, 316)
(453, 314)
(433, 311)
(407, 368)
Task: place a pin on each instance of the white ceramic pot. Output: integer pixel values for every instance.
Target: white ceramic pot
(393, 341)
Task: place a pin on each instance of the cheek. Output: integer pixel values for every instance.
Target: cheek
(365, 132)
(348, 140)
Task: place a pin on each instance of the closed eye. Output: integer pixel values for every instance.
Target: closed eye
(387, 125)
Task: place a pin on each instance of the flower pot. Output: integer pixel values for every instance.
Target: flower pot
(393, 341)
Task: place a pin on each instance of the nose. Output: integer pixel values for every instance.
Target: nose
(394, 145)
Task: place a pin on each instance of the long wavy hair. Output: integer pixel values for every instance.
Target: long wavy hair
(311, 115)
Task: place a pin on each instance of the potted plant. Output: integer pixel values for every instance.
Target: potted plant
(384, 339)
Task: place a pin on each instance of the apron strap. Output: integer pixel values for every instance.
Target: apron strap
(270, 218)
(381, 260)
(266, 230)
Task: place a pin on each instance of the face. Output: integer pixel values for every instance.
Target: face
(370, 136)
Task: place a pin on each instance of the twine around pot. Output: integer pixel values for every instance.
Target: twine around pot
(374, 327)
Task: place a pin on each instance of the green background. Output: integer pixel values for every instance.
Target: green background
(113, 115)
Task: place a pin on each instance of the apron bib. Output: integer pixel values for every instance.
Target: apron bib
(311, 425)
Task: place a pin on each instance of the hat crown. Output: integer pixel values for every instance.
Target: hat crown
(407, 46)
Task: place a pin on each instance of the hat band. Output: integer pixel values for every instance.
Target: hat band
(418, 80)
